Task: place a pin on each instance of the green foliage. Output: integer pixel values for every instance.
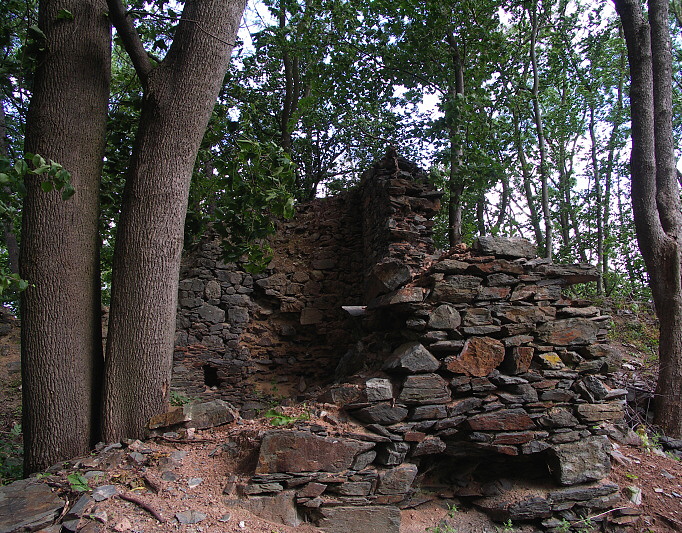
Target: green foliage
(179, 398)
(277, 418)
(507, 527)
(11, 465)
(77, 482)
(243, 197)
(441, 528)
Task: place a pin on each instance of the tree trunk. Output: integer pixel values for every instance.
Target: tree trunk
(537, 114)
(179, 96)
(527, 186)
(61, 339)
(655, 192)
(455, 180)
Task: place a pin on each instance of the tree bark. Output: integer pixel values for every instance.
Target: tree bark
(455, 180)
(655, 192)
(179, 96)
(61, 340)
(537, 114)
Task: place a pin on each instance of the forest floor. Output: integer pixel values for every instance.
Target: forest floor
(183, 479)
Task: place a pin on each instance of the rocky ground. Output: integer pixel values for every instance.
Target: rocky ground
(188, 481)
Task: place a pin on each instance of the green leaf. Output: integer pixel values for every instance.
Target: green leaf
(64, 14)
(36, 33)
(4, 178)
(37, 160)
(78, 482)
(21, 168)
(68, 192)
(46, 186)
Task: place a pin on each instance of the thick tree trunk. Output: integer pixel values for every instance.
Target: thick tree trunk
(61, 341)
(655, 192)
(179, 97)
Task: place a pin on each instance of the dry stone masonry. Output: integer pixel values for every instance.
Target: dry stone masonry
(471, 372)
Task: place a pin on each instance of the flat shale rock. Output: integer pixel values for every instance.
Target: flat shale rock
(504, 420)
(379, 518)
(425, 389)
(456, 289)
(381, 413)
(569, 332)
(506, 247)
(479, 357)
(300, 451)
(27, 505)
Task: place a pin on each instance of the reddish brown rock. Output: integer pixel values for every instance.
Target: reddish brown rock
(519, 359)
(505, 420)
(569, 332)
(479, 357)
(499, 265)
(301, 451)
(514, 438)
(456, 289)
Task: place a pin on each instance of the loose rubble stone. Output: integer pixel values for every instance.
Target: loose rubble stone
(27, 505)
(190, 517)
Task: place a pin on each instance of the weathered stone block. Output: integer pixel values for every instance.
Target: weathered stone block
(378, 389)
(505, 247)
(479, 357)
(445, 317)
(211, 314)
(456, 289)
(569, 332)
(397, 480)
(412, 358)
(582, 461)
(600, 412)
(429, 446)
(401, 296)
(381, 413)
(301, 451)
(384, 518)
(504, 420)
(425, 389)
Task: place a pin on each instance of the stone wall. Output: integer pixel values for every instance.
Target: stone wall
(245, 337)
(471, 371)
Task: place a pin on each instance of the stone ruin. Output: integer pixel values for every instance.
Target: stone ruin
(469, 372)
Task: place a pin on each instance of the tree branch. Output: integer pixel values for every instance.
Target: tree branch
(131, 40)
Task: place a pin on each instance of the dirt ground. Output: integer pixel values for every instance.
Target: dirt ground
(170, 476)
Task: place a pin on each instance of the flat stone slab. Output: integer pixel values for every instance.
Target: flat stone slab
(27, 505)
(300, 451)
(507, 247)
(379, 518)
